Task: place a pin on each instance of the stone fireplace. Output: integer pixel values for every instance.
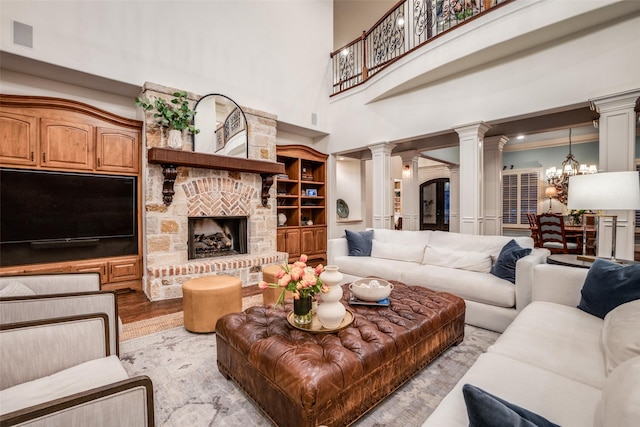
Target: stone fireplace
(207, 201)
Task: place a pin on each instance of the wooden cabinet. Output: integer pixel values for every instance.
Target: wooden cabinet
(43, 133)
(301, 197)
(66, 145)
(117, 150)
(288, 240)
(92, 267)
(18, 139)
(123, 270)
(314, 241)
(116, 272)
(41, 138)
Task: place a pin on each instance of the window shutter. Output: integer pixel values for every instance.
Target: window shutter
(520, 195)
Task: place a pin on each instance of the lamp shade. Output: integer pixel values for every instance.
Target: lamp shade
(550, 191)
(605, 191)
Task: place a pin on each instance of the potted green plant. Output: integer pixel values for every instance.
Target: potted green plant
(174, 115)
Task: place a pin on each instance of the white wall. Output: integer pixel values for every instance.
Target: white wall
(348, 178)
(23, 84)
(351, 18)
(268, 55)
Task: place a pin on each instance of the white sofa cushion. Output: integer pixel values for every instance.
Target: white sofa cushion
(403, 237)
(621, 334)
(476, 243)
(620, 405)
(79, 378)
(560, 339)
(397, 251)
(470, 285)
(367, 266)
(556, 398)
(465, 260)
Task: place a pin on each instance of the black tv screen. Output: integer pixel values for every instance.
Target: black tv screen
(37, 206)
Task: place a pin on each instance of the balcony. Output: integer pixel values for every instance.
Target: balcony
(405, 28)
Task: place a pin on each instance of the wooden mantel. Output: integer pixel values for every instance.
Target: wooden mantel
(170, 159)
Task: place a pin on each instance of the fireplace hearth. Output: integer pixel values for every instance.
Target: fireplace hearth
(217, 236)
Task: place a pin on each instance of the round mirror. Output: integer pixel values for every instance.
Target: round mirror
(223, 127)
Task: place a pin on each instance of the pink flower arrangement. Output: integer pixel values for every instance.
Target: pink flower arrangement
(298, 278)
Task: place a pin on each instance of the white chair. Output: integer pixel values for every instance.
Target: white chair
(59, 356)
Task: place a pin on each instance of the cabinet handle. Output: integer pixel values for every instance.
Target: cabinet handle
(32, 156)
(98, 161)
(44, 157)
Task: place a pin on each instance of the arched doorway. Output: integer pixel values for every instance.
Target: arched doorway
(434, 205)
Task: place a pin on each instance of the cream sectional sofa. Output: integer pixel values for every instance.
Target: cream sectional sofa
(446, 261)
(559, 362)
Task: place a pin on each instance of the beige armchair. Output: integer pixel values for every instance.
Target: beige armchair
(45, 296)
(59, 362)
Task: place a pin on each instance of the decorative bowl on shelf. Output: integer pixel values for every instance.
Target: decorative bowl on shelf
(371, 289)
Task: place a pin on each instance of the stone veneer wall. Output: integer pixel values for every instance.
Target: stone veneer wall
(205, 192)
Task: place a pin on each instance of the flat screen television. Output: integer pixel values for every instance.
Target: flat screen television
(45, 206)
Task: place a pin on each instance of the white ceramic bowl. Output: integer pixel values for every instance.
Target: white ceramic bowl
(370, 294)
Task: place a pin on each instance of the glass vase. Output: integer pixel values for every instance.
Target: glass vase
(302, 310)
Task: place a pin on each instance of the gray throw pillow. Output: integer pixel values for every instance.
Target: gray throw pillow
(486, 410)
(505, 266)
(609, 285)
(359, 242)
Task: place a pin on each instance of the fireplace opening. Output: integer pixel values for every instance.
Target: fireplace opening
(217, 236)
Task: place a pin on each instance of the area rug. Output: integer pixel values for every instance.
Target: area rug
(189, 390)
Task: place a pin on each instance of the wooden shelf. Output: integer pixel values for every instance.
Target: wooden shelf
(170, 159)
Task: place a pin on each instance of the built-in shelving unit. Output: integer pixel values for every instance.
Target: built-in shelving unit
(301, 194)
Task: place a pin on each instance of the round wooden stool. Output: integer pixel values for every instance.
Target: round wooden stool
(206, 299)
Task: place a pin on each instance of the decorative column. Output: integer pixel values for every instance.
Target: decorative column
(493, 184)
(410, 191)
(617, 124)
(381, 164)
(471, 177)
(454, 199)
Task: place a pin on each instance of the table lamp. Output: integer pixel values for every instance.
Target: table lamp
(550, 192)
(605, 191)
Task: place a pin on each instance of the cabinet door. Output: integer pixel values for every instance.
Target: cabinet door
(314, 240)
(117, 150)
(288, 240)
(66, 145)
(123, 270)
(18, 139)
(92, 267)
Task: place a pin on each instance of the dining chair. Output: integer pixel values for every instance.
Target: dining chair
(533, 226)
(552, 236)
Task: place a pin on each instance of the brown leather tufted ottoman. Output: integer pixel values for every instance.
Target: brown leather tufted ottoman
(300, 378)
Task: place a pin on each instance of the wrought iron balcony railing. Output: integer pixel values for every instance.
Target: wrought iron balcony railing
(407, 26)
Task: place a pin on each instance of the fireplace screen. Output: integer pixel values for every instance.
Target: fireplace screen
(217, 236)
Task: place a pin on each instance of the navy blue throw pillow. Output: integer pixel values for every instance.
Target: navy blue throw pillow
(609, 285)
(359, 242)
(505, 265)
(486, 410)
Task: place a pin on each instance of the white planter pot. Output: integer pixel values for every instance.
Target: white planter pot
(175, 139)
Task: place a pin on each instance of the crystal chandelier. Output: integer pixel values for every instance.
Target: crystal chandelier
(559, 177)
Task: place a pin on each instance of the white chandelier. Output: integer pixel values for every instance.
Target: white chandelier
(559, 177)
